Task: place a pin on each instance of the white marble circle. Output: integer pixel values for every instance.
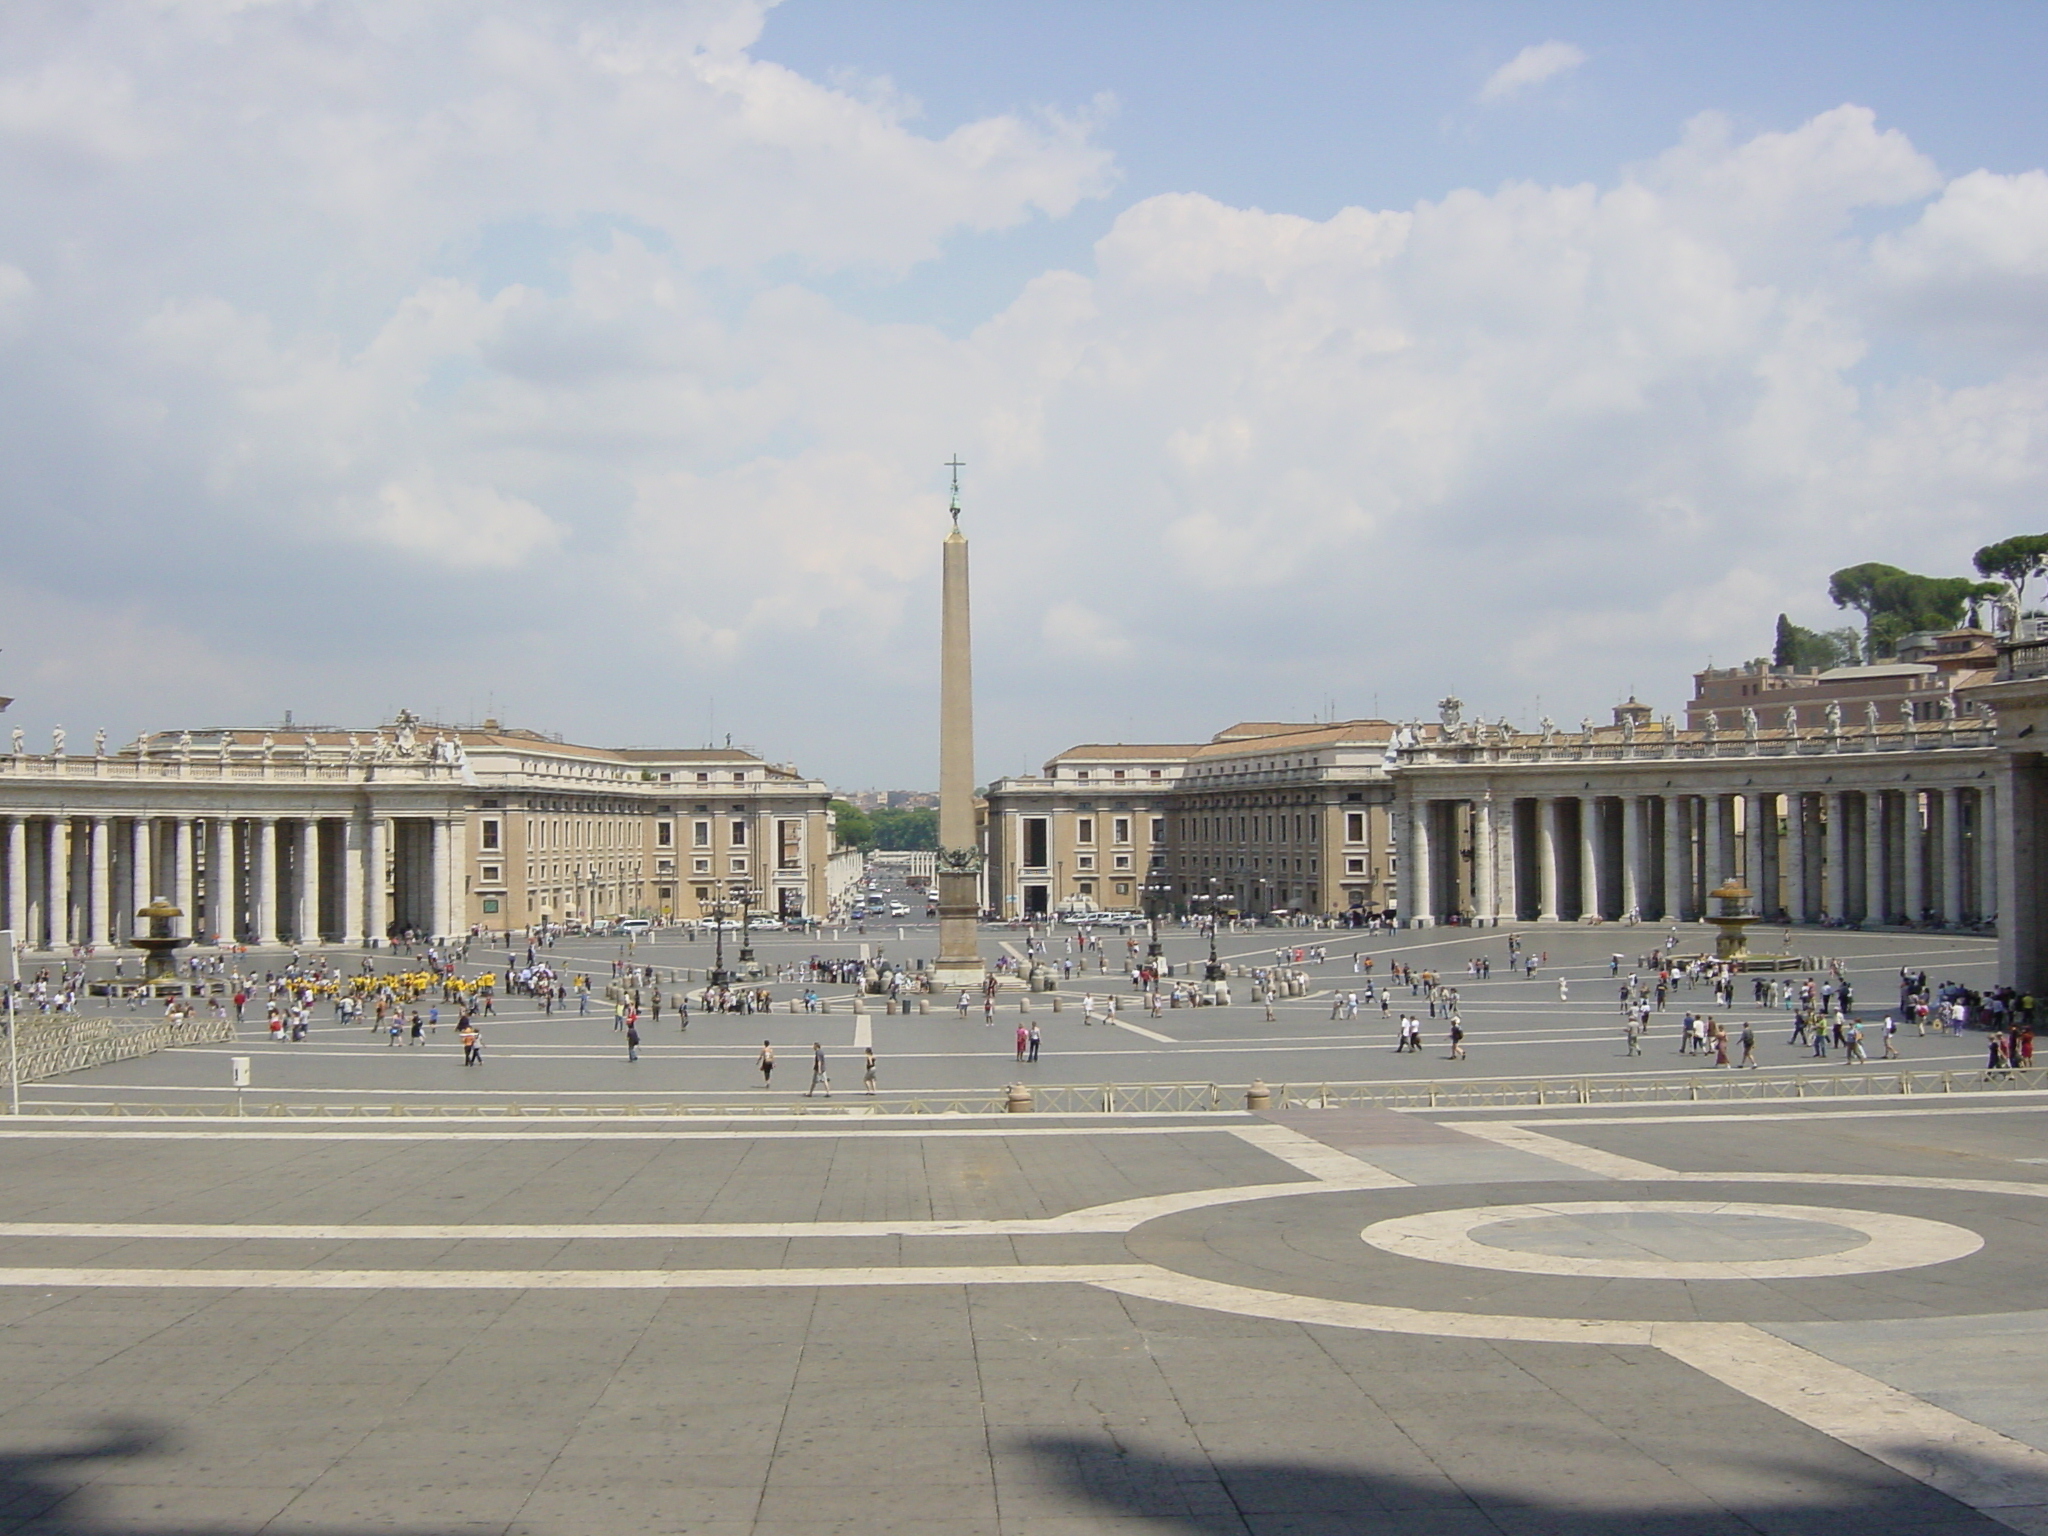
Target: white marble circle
(1673, 1239)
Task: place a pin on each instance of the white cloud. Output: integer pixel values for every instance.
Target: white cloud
(508, 321)
(1532, 66)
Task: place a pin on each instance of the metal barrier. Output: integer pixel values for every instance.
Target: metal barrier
(1155, 1098)
(52, 1047)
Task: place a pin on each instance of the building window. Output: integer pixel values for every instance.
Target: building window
(490, 873)
(1119, 773)
(491, 833)
(700, 834)
(700, 866)
(1354, 866)
(1086, 888)
(1122, 861)
(1123, 888)
(1354, 826)
(1082, 775)
(1155, 773)
(703, 893)
(1084, 861)
(490, 903)
(1158, 829)
(739, 866)
(664, 893)
(1036, 836)
(789, 845)
(1084, 829)
(664, 834)
(1120, 829)
(739, 834)
(703, 778)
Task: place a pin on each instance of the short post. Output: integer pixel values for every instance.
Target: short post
(1055, 1002)
(1019, 1100)
(239, 1066)
(1258, 1096)
(924, 1005)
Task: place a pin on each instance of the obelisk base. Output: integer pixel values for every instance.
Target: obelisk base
(959, 962)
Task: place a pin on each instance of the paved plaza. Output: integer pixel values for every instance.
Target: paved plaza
(1758, 1316)
(1516, 1026)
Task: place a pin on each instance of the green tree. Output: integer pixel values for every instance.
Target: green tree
(1896, 603)
(852, 825)
(903, 830)
(2013, 561)
(1798, 646)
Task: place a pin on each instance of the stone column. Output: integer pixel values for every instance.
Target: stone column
(1876, 876)
(1485, 873)
(352, 856)
(181, 851)
(1399, 814)
(1590, 881)
(57, 868)
(101, 888)
(142, 856)
(450, 847)
(1675, 882)
(220, 880)
(1547, 841)
(1419, 855)
(17, 878)
(1797, 902)
(306, 924)
(1952, 856)
(1632, 850)
(376, 896)
(1724, 840)
(1758, 823)
(263, 875)
(1914, 855)
(1987, 853)
(1834, 900)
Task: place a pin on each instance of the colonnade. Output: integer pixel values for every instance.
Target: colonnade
(73, 879)
(1876, 855)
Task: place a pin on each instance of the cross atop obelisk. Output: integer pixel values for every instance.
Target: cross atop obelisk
(959, 880)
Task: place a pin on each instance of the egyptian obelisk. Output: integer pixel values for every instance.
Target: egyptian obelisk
(959, 962)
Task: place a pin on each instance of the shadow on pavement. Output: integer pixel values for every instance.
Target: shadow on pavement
(1223, 1496)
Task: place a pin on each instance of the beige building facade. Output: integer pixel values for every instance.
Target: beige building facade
(1264, 817)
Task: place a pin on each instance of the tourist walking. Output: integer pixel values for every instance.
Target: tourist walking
(819, 1077)
(632, 1041)
(1033, 1056)
(867, 1071)
(766, 1062)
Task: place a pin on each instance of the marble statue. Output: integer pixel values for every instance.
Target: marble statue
(1870, 715)
(57, 742)
(1834, 716)
(355, 749)
(184, 744)
(1549, 728)
(17, 741)
(1749, 722)
(99, 742)
(1792, 720)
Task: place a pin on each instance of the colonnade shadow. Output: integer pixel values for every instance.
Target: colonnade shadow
(1240, 1496)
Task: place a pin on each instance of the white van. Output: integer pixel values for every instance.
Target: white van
(633, 927)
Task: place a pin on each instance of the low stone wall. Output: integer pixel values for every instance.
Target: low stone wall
(52, 1047)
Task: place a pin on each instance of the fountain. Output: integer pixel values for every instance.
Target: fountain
(160, 943)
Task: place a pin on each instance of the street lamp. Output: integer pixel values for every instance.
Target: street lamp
(1215, 971)
(746, 896)
(720, 976)
(1151, 890)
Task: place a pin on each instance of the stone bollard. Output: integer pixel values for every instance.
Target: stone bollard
(858, 1006)
(1019, 1101)
(1258, 1096)
(924, 1005)
(1023, 1005)
(1055, 1002)
(824, 1005)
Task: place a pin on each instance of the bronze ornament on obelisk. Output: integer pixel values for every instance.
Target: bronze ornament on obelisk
(959, 962)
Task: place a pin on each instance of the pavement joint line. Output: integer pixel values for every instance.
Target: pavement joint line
(1139, 1029)
(563, 1279)
(1609, 1165)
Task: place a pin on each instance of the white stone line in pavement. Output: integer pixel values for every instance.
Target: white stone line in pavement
(1139, 1029)
(1608, 1165)
(2003, 1478)
(1809, 1109)
(484, 1128)
(560, 1279)
(1314, 1158)
(863, 1031)
(1892, 1242)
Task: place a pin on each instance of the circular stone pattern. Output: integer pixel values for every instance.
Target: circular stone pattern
(1673, 1240)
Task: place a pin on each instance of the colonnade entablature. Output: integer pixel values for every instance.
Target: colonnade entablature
(1881, 826)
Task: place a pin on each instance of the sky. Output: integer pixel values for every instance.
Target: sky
(594, 366)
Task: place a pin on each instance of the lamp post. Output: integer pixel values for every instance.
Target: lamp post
(1215, 971)
(1152, 890)
(720, 976)
(746, 896)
